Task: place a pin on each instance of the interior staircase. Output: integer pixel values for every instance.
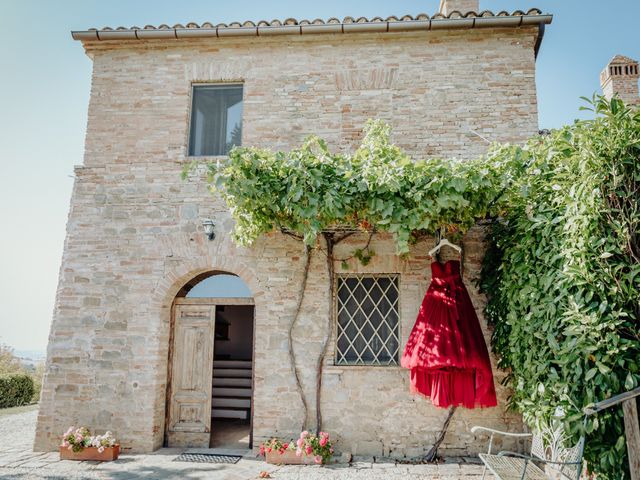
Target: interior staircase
(231, 395)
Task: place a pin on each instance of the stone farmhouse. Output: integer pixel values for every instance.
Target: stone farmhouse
(168, 337)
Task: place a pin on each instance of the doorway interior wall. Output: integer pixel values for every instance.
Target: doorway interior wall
(232, 382)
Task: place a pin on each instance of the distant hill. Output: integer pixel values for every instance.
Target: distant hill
(30, 358)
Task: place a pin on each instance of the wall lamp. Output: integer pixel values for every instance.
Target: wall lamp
(209, 227)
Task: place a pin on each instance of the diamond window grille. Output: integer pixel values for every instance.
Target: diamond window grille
(367, 313)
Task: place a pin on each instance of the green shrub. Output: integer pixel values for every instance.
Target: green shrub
(15, 389)
(37, 377)
(563, 276)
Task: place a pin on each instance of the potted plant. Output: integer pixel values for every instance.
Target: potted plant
(79, 444)
(307, 450)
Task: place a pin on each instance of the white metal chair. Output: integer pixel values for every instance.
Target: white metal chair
(547, 449)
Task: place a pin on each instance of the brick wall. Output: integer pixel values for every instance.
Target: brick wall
(134, 236)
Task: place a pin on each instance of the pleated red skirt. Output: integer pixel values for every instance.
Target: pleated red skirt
(446, 351)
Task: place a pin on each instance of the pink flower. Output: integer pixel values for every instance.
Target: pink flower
(262, 450)
(299, 443)
(304, 434)
(298, 452)
(331, 450)
(285, 446)
(324, 434)
(309, 449)
(323, 441)
(318, 459)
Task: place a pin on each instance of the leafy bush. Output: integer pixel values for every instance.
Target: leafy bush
(37, 377)
(15, 389)
(563, 276)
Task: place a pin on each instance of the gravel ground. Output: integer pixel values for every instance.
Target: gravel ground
(17, 461)
(17, 428)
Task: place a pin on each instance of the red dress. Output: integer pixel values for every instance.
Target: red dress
(446, 351)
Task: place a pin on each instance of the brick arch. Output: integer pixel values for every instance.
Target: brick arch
(197, 256)
(165, 295)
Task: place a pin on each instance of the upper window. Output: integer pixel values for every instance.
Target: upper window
(216, 119)
(367, 320)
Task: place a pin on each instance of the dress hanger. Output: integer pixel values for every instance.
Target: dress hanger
(444, 243)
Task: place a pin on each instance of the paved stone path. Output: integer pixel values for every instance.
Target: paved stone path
(17, 461)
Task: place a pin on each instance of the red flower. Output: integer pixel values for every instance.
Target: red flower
(309, 449)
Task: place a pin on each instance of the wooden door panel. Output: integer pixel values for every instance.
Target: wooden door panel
(192, 369)
(190, 342)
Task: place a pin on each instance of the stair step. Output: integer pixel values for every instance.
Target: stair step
(244, 392)
(231, 402)
(231, 382)
(232, 364)
(230, 413)
(232, 372)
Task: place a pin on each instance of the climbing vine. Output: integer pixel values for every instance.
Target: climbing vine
(292, 353)
(310, 190)
(563, 277)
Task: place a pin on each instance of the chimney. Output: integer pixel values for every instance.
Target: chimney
(621, 76)
(462, 6)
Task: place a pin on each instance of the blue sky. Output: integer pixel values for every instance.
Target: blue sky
(44, 93)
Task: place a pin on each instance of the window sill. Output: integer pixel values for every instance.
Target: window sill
(199, 158)
(337, 369)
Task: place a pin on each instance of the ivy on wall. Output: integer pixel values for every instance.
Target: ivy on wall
(563, 277)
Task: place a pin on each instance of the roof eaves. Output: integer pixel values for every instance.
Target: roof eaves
(290, 26)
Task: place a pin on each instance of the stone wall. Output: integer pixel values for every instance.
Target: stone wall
(134, 236)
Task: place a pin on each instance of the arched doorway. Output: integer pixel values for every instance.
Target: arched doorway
(210, 387)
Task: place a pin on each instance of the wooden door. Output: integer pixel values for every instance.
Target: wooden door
(189, 422)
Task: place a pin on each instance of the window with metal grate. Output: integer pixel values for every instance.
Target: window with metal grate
(368, 318)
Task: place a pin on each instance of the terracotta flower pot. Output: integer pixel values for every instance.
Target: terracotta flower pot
(91, 453)
(289, 457)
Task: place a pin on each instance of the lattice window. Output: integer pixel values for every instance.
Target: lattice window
(368, 316)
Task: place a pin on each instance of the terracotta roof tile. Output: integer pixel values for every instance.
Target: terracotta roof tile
(422, 21)
(319, 21)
